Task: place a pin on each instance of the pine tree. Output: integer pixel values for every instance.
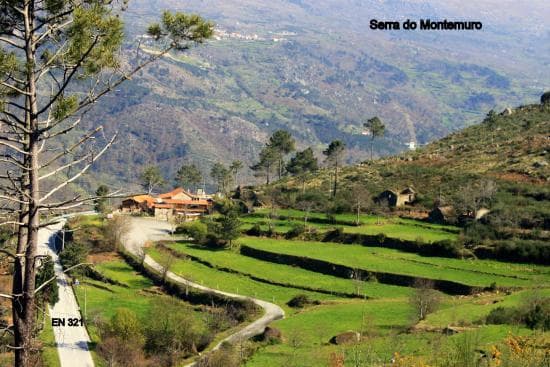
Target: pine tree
(334, 154)
(189, 175)
(302, 163)
(377, 129)
(50, 50)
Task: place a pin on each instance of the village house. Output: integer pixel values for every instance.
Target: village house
(448, 215)
(164, 206)
(396, 199)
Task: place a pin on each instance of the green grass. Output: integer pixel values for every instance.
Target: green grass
(471, 272)
(457, 310)
(405, 229)
(287, 274)
(105, 299)
(49, 354)
(233, 282)
(382, 322)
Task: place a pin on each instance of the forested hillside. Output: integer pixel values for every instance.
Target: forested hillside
(316, 70)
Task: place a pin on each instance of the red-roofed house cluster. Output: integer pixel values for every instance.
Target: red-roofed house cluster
(164, 206)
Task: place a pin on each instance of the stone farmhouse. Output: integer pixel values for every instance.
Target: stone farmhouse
(396, 198)
(164, 206)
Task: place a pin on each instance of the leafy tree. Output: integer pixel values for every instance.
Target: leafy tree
(334, 154)
(101, 203)
(222, 176)
(196, 230)
(235, 167)
(46, 272)
(189, 176)
(126, 325)
(302, 163)
(50, 51)
(268, 157)
(229, 227)
(281, 143)
(170, 332)
(74, 253)
(151, 178)
(377, 129)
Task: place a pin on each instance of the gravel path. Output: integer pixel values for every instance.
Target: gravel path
(148, 229)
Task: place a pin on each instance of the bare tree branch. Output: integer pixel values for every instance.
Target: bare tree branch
(82, 171)
(55, 277)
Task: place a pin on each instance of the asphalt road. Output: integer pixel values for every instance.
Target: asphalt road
(72, 341)
(148, 229)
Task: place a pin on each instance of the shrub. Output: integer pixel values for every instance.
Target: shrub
(545, 98)
(256, 230)
(295, 231)
(536, 313)
(503, 315)
(196, 230)
(301, 301)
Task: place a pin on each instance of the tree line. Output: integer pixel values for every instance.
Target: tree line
(272, 157)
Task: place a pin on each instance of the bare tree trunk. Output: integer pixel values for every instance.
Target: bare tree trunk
(335, 179)
(24, 309)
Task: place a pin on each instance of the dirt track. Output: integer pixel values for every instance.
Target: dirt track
(148, 229)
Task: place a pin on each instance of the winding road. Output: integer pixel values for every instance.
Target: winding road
(149, 229)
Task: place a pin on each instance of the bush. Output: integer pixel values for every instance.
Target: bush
(545, 98)
(301, 301)
(503, 315)
(256, 230)
(73, 254)
(536, 313)
(295, 231)
(196, 230)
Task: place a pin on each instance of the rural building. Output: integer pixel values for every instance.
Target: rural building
(396, 198)
(447, 214)
(442, 214)
(164, 206)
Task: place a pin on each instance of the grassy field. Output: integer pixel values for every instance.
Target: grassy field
(287, 274)
(383, 321)
(102, 300)
(406, 229)
(235, 283)
(471, 272)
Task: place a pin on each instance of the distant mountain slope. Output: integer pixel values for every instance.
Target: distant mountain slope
(511, 150)
(315, 69)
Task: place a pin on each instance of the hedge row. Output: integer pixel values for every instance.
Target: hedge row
(534, 252)
(339, 222)
(343, 271)
(255, 278)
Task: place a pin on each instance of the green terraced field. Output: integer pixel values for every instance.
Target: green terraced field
(233, 282)
(471, 272)
(405, 229)
(287, 274)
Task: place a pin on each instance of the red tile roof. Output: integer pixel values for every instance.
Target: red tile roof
(174, 192)
(186, 202)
